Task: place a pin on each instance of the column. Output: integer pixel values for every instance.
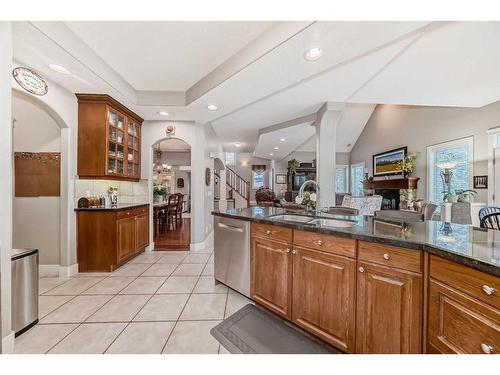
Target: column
(7, 342)
(326, 138)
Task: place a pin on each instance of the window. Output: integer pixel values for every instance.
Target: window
(357, 187)
(342, 179)
(460, 152)
(258, 176)
(230, 158)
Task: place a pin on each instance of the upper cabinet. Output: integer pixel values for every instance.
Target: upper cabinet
(109, 139)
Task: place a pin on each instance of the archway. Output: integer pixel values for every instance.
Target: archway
(52, 233)
(172, 193)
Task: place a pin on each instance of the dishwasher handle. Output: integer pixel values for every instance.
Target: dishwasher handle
(230, 227)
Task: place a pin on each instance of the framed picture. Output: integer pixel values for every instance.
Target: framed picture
(281, 178)
(180, 183)
(480, 182)
(386, 163)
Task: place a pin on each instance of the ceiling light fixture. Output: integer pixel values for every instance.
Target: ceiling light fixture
(313, 54)
(163, 113)
(282, 139)
(212, 107)
(237, 144)
(276, 148)
(271, 154)
(59, 69)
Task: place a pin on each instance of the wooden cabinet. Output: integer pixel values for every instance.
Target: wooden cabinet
(108, 238)
(109, 139)
(389, 310)
(463, 313)
(324, 295)
(271, 270)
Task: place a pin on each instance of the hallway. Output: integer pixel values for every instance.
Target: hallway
(174, 239)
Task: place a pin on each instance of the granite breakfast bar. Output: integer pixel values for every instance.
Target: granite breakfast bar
(372, 286)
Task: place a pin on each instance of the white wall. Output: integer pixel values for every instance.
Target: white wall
(36, 220)
(243, 167)
(417, 127)
(212, 146)
(176, 158)
(7, 342)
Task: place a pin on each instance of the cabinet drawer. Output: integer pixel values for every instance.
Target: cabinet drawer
(272, 232)
(406, 259)
(325, 242)
(475, 283)
(458, 323)
(121, 214)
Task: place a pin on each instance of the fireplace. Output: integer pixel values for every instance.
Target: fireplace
(390, 198)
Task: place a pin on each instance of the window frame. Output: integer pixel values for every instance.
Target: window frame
(432, 149)
(347, 186)
(233, 161)
(263, 180)
(360, 164)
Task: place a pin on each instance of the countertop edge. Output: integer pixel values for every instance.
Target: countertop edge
(132, 205)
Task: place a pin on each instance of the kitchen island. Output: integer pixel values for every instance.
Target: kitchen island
(366, 285)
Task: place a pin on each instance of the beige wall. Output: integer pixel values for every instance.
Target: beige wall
(417, 127)
(36, 220)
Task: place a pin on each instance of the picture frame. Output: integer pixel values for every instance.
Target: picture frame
(281, 178)
(180, 183)
(385, 163)
(481, 182)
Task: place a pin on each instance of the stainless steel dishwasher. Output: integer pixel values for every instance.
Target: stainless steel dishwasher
(24, 268)
(232, 253)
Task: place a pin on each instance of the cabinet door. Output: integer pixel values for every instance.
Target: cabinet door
(125, 232)
(271, 264)
(458, 323)
(389, 310)
(141, 232)
(324, 296)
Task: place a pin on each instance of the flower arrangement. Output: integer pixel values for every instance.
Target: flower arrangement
(160, 190)
(293, 165)
(308, 199)
(408, 163)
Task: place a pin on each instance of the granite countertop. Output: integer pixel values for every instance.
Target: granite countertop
(474, 247)
(121, 206)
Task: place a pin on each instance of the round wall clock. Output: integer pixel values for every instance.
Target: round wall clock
(30, 81)
(207, 176)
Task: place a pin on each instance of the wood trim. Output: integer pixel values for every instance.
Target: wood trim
(425, 296)
(104, 98)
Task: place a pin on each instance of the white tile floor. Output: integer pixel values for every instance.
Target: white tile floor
(161, 302)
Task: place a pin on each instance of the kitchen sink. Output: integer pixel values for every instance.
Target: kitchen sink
(333, 223)
(292, 218)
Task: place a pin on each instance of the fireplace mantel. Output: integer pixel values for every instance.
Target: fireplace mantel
(395, 183)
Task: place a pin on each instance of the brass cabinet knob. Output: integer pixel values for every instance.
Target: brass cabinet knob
(294, 252)
(268, 232)
(488, 289)
(318, 242)
(287, 250)
(387, 256)
(361, 269)
(487, 349)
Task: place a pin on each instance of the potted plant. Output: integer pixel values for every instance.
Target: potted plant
(293, 165)
(408, 164)
(159, 193)
(464, 195)
(308, 200)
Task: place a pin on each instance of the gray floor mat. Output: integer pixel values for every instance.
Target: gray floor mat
(252, 330)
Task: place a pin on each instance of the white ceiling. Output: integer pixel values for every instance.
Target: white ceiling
(169, 56)
(263, 79)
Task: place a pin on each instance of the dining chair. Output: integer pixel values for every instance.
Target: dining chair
(179, 207)
(491, 221)
(171, 211)
(487, 210)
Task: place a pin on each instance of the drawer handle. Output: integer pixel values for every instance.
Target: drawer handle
(294, 252)
(488, 289)
(268, 232)
(287, 250)
(361, 269)
(387, 256)
(318, 242)
(487, 349)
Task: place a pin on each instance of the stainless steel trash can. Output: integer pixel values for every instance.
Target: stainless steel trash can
(24, 267)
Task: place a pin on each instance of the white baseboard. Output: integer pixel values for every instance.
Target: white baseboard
(55, 270)
(198, 246)
(150, 247)
(8, 343)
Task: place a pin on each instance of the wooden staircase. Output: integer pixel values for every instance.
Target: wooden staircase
(237, 184)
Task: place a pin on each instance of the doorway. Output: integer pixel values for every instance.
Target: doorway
(171, 194)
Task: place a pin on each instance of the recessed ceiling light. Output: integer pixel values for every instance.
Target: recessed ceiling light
(313, 54)
(59, 69)
(271, 154)
(163, 113)
(237, 144)
(212, 107)
(276, 148)
(282, 139)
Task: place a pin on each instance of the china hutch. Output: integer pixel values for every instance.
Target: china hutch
(109, 139)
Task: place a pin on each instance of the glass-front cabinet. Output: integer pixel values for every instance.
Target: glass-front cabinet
(120, 132)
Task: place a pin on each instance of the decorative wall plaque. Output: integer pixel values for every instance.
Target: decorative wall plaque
(30, 81)
(170, 129)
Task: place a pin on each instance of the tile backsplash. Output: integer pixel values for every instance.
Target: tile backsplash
(128, 191)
